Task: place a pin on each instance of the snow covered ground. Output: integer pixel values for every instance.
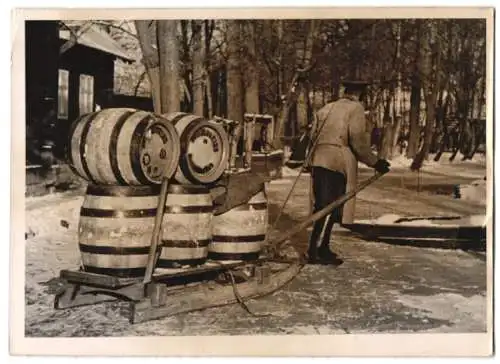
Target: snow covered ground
(379, 288)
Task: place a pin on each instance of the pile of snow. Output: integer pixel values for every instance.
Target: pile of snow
(419, 223)
(401, 162)
(475, 191)
(289, 172)
(476, 220)
(387, 219)
(392, 219)
(56, 217)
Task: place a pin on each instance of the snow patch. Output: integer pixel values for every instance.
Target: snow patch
(280, 182)
(289, 172)
(387, 219)
(468, 313)
(392, 219)
(475, 191)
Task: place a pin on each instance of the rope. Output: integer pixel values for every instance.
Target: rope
(274, 254)
(302, 169)
(238, 296)
(272, 250)
(241, 300)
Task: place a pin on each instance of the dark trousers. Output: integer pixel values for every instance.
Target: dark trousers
(327, 187)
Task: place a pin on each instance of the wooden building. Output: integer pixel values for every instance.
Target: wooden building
(69, 72)
(64, 79)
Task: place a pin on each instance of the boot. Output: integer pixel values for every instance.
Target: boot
(312, 256)
(328, 257)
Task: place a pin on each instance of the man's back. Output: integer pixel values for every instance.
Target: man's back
(344, 135)
(335, 116)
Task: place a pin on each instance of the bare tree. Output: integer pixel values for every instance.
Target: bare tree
(430, 71)
(251, 74)
(168, 47)
(150, 58)
(198, 67)
(300, 73)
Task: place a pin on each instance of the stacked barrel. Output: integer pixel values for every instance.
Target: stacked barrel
(239, 233)
(125, 154)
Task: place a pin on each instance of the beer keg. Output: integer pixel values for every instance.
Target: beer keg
(120, 146)
(239, 233)
(115, 229)
(186, 226)
(204, 149)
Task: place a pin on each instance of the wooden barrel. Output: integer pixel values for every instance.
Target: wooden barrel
(204, 149)
(120, 146)
(186, 226)
(115, 229)
(239, 233)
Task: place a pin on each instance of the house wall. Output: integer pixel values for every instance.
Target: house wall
(111, 99)
(81, 60)
(41, 67)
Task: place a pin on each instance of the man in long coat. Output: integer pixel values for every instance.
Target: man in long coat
(343, 139)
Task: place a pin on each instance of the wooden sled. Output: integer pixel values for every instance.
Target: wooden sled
(164, 293)
(171, 293)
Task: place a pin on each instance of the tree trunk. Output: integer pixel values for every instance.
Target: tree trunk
(198, 68)
(234, 85)
(302, 102)
(300, 72)
(396, 135)
(251, 74)
(442, 116)
(169, 65)
(151, 60)
(251, 87)
(386, 141)
(415, 98)
(208, 31)
(234, 79)
(431, 83)
(414, 116)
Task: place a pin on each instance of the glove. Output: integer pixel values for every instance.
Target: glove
(382, 166)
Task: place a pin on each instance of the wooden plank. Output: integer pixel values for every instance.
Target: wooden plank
(98, 280)
(209, 295)
(75, 295)
(427, 232)
(205, 269)
(71, 297)
(473, 245)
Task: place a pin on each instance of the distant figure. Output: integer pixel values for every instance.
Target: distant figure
(343, 140)
(261, 144)
(376, 136)
(299, 149)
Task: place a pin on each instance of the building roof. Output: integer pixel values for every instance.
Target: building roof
(97, 39)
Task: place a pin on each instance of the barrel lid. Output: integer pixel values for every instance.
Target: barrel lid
(160, 150)
(204, 152)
